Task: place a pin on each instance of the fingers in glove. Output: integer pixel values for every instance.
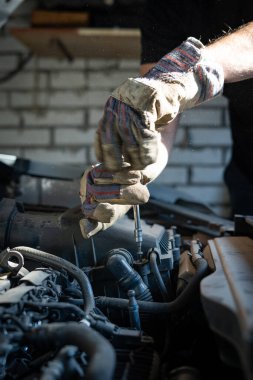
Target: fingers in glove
(92, 191)
(126, 176)
(139, 142)
(109, 143)
(146, 154)
(104, 212)
(119, 194)
(98, 147)
(91, 227)
(123, 138)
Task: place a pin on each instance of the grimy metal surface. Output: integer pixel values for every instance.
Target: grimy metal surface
(227, 295)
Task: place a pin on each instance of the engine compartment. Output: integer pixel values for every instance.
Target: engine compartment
(94, 309)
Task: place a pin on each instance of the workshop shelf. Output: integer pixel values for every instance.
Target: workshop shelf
(80, 42)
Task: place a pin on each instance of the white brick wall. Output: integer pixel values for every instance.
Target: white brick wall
(196, 156)
(207, 175)
(21, 137)
(3, 100)
(214, 136)
(50, 110)
(53, 118)
(71, 80)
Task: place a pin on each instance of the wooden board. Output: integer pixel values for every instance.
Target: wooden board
(50, 18)
(80, 42)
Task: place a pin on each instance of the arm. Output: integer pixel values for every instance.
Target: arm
(234, 52)
(131, 140)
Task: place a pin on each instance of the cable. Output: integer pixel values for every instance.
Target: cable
(101, 354)
(59, 263)
(157, 275)
(58, 306)
(158, 307)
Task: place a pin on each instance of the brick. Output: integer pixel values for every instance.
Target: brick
(227, 156)
(22, 99)
(3, 100)
(10, 44)
(32, 64)
(227, 118)
(57, 155)
(41, 81)
(53, 118)
(173, 176)
(196, 156)
(41, 99)
(9, 119)
(28, 99)
(8, 62)
(181, 137)
(67, 99)
(107, 79)
(70, 80)
(20, 137)
(94, 115)
(200, 116)
(20, 81)
(92, 159)
(207, 175)
(96, 98)
(60, 64)
(206, 194)
(71, 136)
(12, 151)
(210, 136)
(102, 64)
(79, 99)
(218, 101)
(130, 64)
(26, 80)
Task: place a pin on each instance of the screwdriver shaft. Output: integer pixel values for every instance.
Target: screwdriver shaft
(137, 229)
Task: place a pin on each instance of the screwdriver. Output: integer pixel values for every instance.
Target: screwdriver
(137, 230)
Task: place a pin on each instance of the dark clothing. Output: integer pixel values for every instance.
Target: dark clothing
(166, 23)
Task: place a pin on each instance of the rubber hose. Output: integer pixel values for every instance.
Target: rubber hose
(56, 368)
(59, 264)
(157, 275)
(128, 278)
(158, 307)
(57, 305)
(101, 354)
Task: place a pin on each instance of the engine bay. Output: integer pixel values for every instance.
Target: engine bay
(96, 309)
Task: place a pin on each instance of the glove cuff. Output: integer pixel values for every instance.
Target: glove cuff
(210, 77)
(179, 61)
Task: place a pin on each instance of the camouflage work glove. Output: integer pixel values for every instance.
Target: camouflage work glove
(127, 132)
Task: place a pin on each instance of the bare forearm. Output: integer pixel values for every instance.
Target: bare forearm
(234, 52)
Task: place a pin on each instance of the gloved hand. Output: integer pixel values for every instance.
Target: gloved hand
(107, 196)
(127, 132)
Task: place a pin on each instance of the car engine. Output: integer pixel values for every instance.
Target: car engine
(98, 309)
